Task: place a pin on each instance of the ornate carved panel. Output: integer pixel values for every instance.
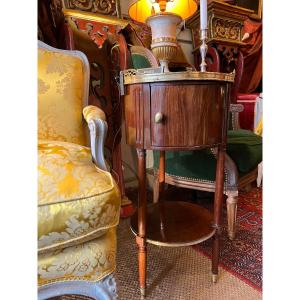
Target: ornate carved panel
(225, 23)
(98, 32)
(226, 29)
(105, 7)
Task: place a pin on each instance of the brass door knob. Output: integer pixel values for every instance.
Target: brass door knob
(158, 118)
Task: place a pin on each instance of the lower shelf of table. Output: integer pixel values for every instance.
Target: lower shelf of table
(175, 224)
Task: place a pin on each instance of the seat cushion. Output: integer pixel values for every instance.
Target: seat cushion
(76, 200)
(243, 146)
(92, 261)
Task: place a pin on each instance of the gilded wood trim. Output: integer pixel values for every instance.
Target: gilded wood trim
(95, 17)
(258, 15)
(104, 7)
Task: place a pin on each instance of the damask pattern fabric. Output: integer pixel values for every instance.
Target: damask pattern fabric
(77, 201)
(91, 261)
(60, 97)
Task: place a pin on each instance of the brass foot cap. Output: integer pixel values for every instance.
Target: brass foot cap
(214, 278)
(231, 236)
(143, 292)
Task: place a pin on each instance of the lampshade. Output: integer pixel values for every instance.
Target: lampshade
(140, 10)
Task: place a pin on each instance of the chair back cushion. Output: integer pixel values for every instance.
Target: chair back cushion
(142, 58)
(62, 85)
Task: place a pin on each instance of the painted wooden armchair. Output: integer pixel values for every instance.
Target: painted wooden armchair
(196, 169)
(78, 200)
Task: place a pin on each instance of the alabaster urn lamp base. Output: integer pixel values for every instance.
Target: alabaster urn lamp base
(164, 44)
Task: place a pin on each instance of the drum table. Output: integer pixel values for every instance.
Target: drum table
(176, 111)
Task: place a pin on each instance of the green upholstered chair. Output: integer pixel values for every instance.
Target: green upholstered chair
(196, 169)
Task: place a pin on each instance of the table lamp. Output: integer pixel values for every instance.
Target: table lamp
(162, 16)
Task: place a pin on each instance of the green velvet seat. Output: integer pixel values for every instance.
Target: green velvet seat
(244, 147)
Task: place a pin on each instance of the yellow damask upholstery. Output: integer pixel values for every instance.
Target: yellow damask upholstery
(76, 200)
(78, 203)
(60, 88)
(92, 261)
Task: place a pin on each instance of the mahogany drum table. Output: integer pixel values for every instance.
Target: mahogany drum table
(176, 111)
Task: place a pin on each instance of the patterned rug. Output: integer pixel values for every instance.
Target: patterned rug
(243, 256)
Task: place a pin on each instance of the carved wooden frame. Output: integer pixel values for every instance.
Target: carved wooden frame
(256, 15)
(104, 289)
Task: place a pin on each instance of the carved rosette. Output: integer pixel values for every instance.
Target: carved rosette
(105, 7)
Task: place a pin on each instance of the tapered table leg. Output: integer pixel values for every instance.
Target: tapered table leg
(159, 183)
(218, 202)
(141, 237)
(161, 175)
(161, 187)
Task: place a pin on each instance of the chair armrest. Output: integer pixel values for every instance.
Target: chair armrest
(95, 117)
(235, 109)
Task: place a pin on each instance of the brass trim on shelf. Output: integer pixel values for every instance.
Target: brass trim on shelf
(95, 17)
(191, 243)
(132, 76)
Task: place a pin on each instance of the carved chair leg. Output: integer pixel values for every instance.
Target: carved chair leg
(247, 188)
(156, 189)
(259, 174)
(232, 199)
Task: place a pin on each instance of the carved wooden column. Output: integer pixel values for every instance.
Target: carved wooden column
(97, 35)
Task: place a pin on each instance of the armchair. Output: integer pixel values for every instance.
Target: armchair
(196, 169)
(78, 200)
